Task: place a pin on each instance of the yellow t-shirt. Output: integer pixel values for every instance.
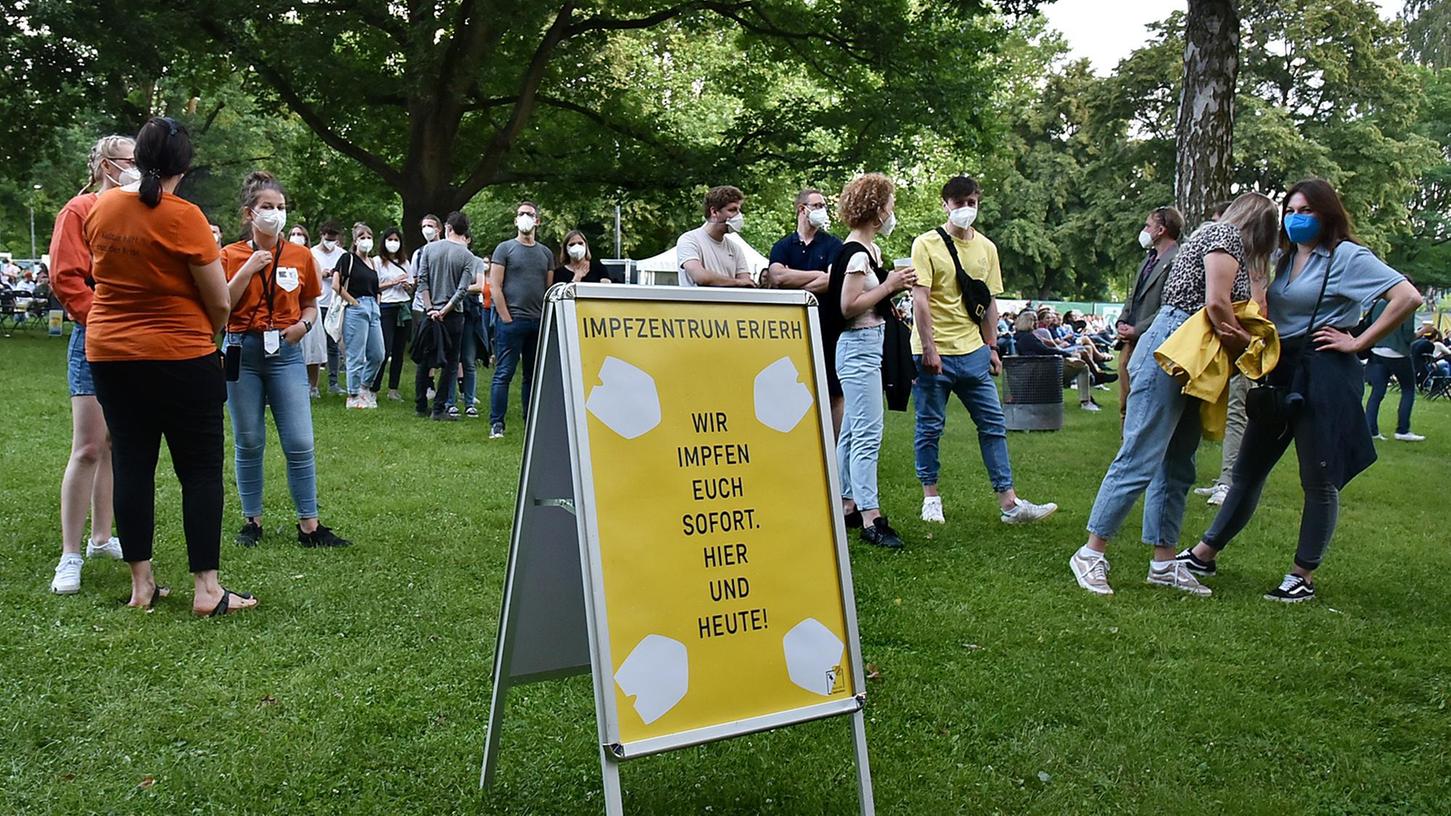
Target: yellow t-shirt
(953, 331)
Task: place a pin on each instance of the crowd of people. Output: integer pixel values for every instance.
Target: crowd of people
(150, 285)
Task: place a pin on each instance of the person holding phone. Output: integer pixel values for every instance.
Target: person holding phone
(274, 288)
(860, 291)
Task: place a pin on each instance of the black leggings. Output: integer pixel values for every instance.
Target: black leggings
(395, 345)
(181, 400)
(1262, 447)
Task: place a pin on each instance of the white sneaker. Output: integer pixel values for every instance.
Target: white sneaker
(1410, 437)
(1090, 407)
(354, 402)
(1025, 512)
(67, 580)
(932, 509)
(1206, 491)
(1381, 437)
(1176, 575)
(111, 548)
(370, 398)
(1216, 498)
(1091, 573)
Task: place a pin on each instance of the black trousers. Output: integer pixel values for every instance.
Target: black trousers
(395, 344)
(453, 329)
(180, 400)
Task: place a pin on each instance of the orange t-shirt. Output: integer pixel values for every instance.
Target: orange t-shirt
(70, 259)
(297, 283)
(147, 307)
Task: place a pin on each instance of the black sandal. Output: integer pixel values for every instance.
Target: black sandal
(225, 604)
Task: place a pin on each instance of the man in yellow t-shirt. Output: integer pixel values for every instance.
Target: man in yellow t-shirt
(957, 355)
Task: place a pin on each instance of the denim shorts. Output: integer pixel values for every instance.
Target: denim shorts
(78, 370)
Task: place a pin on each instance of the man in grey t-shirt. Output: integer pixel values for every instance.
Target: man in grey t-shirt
(444, 273)
(519, 273)
(705, 255)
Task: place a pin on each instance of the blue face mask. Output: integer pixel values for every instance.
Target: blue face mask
(1303, 228)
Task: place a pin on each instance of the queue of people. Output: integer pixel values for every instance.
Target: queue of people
(150, 286)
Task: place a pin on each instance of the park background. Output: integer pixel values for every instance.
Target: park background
(998, 686)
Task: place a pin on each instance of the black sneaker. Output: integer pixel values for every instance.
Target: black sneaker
(250, 535)
(1293, 589)
(854, 520)
(321, 537)
(881, 534)
(444, 416)
(1194, 564)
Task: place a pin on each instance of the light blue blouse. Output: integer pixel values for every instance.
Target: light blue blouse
(1357, 278)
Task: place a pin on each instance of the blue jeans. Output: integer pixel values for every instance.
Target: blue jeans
(280, 381)
(517, 339)
(78, 371)
(1379, 370)
(968, 376)
(1161, 433)
(859, 367)
(363, 336)
(474, 336)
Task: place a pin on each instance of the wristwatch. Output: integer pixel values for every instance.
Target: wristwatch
(307, 324)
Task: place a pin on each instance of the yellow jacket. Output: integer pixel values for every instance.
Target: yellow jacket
(1194, 356)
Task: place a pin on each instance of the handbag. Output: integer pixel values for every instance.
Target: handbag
(333, 323)
(1272, 404)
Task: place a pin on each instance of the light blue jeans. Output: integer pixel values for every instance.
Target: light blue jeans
(859, 367)
(970, 378)
(1161, 433)
(279, 381)
(363, 336)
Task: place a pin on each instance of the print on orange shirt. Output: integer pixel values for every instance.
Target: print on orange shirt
(297, 283)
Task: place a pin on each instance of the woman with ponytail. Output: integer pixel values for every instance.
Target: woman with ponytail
(160, 300)
(87, 480)
(274, 287)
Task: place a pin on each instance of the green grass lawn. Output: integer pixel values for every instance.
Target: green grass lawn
(361, 684)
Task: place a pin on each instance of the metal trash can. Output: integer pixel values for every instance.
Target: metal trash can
(1033, 393)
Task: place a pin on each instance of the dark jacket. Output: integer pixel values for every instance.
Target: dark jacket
(1332, 383)
(1148, 294)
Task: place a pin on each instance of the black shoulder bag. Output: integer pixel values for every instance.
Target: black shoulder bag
(1278, 404)
(975, 294)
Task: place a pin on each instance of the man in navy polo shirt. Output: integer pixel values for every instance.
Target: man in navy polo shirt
(802, 260)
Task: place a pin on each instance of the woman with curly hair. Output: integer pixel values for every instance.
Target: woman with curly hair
(854, 317)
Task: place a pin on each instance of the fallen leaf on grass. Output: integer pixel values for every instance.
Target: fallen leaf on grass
(873, 672)
(146, 782)
(1044, 777)
(267, 700)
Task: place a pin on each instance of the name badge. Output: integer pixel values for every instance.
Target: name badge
(287, 278)
(271, 341)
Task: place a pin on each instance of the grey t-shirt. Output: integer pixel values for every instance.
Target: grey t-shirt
(527, 273)
(444, 271)
(1357, 278)
(722, 257)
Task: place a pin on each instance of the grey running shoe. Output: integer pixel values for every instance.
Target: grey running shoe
(1091, 573)
(1176, 575)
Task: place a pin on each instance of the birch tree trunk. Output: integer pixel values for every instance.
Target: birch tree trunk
(1206, 109)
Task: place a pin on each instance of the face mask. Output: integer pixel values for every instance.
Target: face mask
(300, 240)
(429, 233)
(818, 218)
(736, 222)
(888, 224)
(328, 245)
(525, 223)
(576, 251)
(1145, 239)
(270, 221)
(363, 245)
(392, 245)
(129, 176)
(1303, 228)
(962, 217)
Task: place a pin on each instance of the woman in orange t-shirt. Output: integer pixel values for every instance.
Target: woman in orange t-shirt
(274, 287)
(160, 300)
(87, 480)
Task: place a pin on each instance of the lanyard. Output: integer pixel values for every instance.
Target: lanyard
(269, 286)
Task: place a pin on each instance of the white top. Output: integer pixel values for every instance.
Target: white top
(325, 263)
(858, 266)
(397, 293)
(1387, 353)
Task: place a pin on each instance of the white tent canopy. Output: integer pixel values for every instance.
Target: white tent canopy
(668, 262)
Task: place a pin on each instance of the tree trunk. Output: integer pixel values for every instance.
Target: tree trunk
(1206, 108)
